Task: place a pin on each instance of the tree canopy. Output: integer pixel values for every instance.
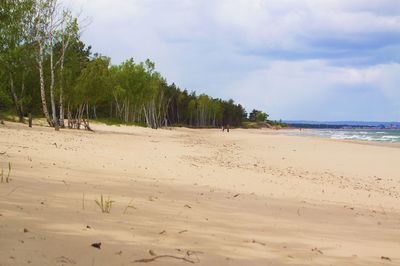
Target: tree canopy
(47, 70)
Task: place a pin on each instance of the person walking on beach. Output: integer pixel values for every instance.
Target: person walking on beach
(225, 127)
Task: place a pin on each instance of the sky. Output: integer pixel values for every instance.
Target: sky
(325, 60)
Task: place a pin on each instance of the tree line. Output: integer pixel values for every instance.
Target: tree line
(46, 69)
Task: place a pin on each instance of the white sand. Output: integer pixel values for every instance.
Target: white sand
(250, 197)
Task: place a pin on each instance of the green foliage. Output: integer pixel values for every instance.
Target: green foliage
(94, 81)
(278, 124)
(5, 99)
(258, 116)
(248, 124)
(16, 57)
(261, 117)
(104, 205)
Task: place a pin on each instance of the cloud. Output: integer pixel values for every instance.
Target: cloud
(315, 90)
(288, 57)
(309, 30)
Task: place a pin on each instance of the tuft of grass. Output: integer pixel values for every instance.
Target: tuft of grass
(9, 116)
(8, 174)
(104, 204)
(118, 122)
(129, 206)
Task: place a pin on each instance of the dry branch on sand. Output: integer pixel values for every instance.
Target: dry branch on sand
(164, 256)
(186, 258)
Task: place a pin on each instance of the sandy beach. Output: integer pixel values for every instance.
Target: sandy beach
(186, 196)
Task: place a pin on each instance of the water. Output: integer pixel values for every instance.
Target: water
(379, 135)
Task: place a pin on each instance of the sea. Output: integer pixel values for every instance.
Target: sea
(378, 135)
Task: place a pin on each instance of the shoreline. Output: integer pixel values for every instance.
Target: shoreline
(283, 131)
(263, 131)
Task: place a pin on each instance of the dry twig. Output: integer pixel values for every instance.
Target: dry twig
(164, 256)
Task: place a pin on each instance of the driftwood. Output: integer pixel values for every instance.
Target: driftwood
(184, 258)
(256, 242)
(78, 120)
(77, 123)
(86, 125)
(164, 256)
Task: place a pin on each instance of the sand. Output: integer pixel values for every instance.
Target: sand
(183, 196)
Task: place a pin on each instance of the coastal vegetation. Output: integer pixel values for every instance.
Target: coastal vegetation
(105, 205)
(47, 70)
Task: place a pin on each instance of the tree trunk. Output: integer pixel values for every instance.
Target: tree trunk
(69, 116)
(21, 106)
(42, 91)
(94, 112)
(15, 99)
(62, 94)
(87, 110)
(146, 116)
(126, 115)
(30, 119)
(52, 100)
(61, 122)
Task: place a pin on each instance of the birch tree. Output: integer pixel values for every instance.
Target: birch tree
(52, 24)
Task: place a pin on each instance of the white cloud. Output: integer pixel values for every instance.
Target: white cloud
(224, 48)
(296, 89)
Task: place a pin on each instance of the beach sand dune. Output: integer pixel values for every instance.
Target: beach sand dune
(185, 196)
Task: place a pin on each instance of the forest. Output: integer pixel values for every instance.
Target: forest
(47, 71)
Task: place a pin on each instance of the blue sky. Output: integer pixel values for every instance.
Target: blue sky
(295, 59)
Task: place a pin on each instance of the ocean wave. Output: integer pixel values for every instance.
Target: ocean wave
(370, 135)
(391, 137)
(363, 135)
